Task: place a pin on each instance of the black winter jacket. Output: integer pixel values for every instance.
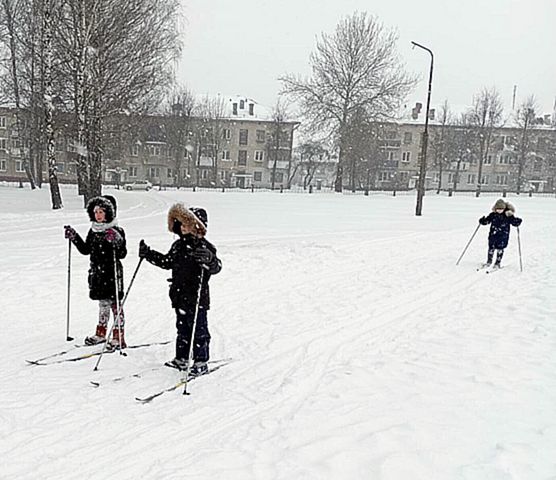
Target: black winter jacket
(499, 234)
(186, 272)
(101, 267)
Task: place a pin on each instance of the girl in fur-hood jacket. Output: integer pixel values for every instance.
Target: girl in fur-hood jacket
(106, 246)
(500, 219)
(188, 256)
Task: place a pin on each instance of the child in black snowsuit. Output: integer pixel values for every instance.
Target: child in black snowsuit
(106, 245)
(500, 219)
(190, 258)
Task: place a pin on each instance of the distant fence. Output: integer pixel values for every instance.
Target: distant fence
(312, 191)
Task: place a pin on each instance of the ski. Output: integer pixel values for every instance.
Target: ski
(179, 384)
(494, 269)
(143, 372)
(57, 354)
(89, 355)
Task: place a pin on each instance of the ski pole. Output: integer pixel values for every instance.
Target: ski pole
(68, 338)
(192, 339)
(519, 249)
(119, 311)
(118, 319)
(468, 243)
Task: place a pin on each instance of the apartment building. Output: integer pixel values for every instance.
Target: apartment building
(241, 148)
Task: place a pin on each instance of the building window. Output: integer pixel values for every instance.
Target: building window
(278, 177)
(390, 155)
(135, 150)
(504, 159)
(484, 180)
(406, 156)
(3, 167)
(132, 171)
(226, 155)
(154, 150)
(470, 178)
(384, 176)
(502, 179)
(261, 136)
(19, 166)
(259, 155)
(2, 122)
(407, 138)
(169, 174)
(251, 109)
(3, 144)
(436, 177)
(204, 174)
(488, 160)
(61, 167)
(241, 104)
(242, 158)
(234, 108)
(403, 176)
(243, 136)
(226, 134)
(257, 176)
(154, 172)
(451, 177)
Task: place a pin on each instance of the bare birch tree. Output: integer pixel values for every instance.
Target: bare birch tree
(356, 68)
(525, 119)
(485, 116)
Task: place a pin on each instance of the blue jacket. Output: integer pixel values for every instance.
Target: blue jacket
(499, 228)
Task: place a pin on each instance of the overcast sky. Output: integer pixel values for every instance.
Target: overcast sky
(242, 46)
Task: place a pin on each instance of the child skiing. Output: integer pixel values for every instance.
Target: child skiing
(106, 245)
(192, 259)
(500, 219)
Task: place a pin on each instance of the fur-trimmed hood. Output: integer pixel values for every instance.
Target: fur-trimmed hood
(507, 206)
(106, 203)
(189, 222)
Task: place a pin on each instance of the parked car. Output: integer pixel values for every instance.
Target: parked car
(139, 185)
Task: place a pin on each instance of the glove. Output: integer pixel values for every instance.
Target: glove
(202, 255)
(113, 236)
(483, 220)
(143, 249)
(509, 213)
(69, 233)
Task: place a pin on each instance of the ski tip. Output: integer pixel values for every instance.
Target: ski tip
(95, 384)
(70, 339)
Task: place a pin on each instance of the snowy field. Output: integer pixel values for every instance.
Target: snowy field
(360, 351)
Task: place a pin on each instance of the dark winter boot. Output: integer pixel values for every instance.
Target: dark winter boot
(499, 255)
(114, 343)
(179, 363)
(199, 368)
(98, 337)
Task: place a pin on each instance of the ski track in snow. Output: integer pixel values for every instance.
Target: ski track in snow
(360, 350)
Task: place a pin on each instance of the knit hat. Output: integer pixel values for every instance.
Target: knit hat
(201, 214)
(500, 203)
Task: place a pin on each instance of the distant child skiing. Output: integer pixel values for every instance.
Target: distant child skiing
(192, 259)
(500, 219)
(106, 246)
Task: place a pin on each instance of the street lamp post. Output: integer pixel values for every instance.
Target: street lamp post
(423, 165)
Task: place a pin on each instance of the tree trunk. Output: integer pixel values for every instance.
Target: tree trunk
(52, 177)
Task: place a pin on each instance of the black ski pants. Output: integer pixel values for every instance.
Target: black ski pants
(184, 325)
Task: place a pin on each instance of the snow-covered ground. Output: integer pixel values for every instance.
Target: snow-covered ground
(360, 351)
